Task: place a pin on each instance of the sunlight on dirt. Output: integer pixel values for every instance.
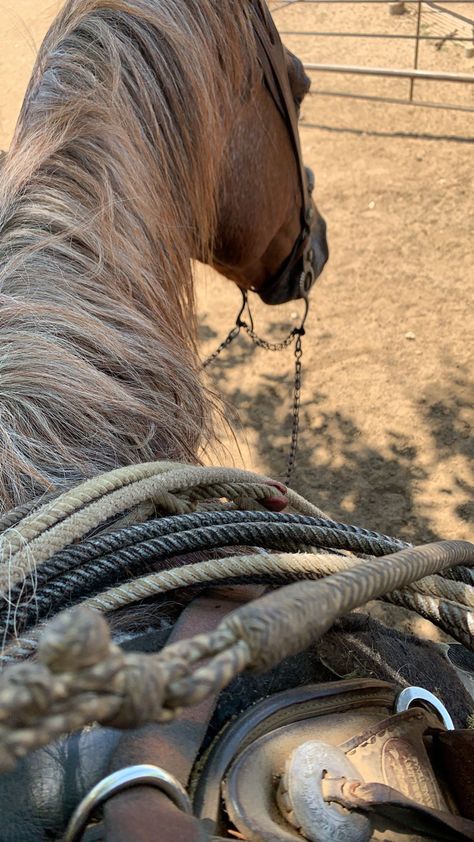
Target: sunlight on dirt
(386, 420)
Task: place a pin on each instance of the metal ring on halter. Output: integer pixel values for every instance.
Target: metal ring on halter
(116, 782)
(410, 695)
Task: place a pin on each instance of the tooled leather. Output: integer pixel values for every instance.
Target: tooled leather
(394, 753)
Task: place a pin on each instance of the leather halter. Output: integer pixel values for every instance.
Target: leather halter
(272, 58)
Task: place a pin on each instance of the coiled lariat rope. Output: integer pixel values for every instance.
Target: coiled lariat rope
(82, 677)
(94, 564)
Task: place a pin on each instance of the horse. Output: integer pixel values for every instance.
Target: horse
(154, 133)
(147, 138)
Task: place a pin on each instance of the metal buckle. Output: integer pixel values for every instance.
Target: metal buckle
(123, 779)
(411, 695)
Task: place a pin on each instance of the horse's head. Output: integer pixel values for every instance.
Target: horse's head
(271, 237)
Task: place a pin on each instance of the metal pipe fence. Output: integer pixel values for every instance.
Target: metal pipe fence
(391, 72)
(417, 37)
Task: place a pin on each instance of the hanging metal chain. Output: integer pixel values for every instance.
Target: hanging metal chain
(263, 343)
(297, 333)
(233, 334)
(296, 409)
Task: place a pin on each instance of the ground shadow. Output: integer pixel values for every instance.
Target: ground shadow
(336, 467)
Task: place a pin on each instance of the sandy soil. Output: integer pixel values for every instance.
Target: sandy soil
(386, 416)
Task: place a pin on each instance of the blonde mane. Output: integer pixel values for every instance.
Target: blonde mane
(109, 187)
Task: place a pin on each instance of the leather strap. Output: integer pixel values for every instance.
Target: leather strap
(393, 753)
(454, 756)
(137, 813)
(272, 57)
(391, 805)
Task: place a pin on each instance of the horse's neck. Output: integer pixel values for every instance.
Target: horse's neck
(97, 350)
(109, 188)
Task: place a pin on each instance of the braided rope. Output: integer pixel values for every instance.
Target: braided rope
(105, 544)
(14, 516)
(282, 567)
(73, 500)
(461, 574)
(82, 676)
(75, 513)
(446, 613)
(53, 512)
(80, 578)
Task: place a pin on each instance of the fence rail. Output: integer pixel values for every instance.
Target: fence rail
(397, 73)
(414, 73)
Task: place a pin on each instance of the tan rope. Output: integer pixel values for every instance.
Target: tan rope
(200, 573)
(171, 487)
(442, 588)
(282, 564)
(303, 506)
(72, 500)
(307, 565)
(267, 632)
(456, 619)
(82, 677)
(53, 512)
(459, 595)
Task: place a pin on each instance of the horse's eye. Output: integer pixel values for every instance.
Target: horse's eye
(299, 81)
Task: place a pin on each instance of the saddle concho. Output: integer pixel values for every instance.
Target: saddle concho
(273, 773)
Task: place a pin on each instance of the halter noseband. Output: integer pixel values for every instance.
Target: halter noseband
(271, 55)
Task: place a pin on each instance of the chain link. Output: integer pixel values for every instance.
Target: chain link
(263, 343)
(233, 334)
(297, 333)
(296, 409)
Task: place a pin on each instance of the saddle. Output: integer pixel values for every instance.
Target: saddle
(339, 760)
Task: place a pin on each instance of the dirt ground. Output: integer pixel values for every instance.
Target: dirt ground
(386, 437)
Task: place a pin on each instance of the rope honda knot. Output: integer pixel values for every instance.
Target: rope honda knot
(78, 643)
(75, 640)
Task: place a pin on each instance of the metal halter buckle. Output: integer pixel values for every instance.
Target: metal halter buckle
(123, 779)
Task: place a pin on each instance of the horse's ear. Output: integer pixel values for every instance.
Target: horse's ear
(300, 82)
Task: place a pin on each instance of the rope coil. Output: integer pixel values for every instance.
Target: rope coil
(81, 676)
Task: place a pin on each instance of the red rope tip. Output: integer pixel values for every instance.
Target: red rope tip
(279, 501)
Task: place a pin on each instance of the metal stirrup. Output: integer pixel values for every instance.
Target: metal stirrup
(116, 782)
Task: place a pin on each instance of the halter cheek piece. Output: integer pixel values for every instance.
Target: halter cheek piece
(271, 55)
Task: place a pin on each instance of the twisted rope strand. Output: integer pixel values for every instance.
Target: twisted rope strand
(81, 676)
(73, 500)
(164, 489)
(277, 532)
(447, 614)
(267, 631)
(281, 567)
(90, 549)
(14, 516)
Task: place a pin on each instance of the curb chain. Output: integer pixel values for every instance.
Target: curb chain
(297, 333)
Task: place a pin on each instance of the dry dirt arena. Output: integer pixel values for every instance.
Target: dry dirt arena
(386, 437)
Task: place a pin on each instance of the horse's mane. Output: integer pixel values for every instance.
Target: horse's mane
(109, 186)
